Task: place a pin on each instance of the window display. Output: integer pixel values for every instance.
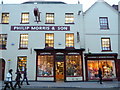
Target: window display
(45, 65)
(107, 66)
(73, 65)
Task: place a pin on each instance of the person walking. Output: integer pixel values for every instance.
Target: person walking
(25, 77)
(100, 75)
(9, 80)
(18, 79)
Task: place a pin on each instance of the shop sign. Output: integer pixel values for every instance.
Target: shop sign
(73, 53)
(60, 53)
(101, 57)
(45, 53)
(40, 28)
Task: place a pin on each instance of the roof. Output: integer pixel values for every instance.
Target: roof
(43, 2)
(101, 1)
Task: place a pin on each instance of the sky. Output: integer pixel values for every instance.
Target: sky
(86, 3)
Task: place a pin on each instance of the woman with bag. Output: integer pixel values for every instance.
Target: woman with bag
(9, 80)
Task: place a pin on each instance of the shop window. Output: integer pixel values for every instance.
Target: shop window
(103, 22)
(5, 18)
(106, 46)
(69, 18)
(23, 41)
(49, 18)
(73, 65)
(107, 66)
(69, 40)
(25, 18)
(45, 65)
(3, 41)
(22, 62)
(49, 40)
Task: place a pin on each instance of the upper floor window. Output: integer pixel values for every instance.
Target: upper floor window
(69, 40)
(5, 18)
(25, 18)
(3, 41)
(106, 45)
(103, 23)
(49, 18)
(49, 40)
(69, 18)
(23, 41)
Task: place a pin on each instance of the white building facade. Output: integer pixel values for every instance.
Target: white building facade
(56, 41)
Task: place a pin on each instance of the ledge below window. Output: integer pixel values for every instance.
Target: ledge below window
(49, 23)
(24, 23)
(3, 48)
(106, 51)
(22, 48)
(69, 23)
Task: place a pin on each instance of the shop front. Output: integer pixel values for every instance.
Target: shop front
(59, 65)
(107, 62)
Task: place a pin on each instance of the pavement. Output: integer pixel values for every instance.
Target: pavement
(36, 84)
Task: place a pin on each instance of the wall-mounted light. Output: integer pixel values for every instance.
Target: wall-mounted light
(79, 12)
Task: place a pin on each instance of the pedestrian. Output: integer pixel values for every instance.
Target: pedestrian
(100, 75)
(25, 77)
(18, 79)
(9, 80)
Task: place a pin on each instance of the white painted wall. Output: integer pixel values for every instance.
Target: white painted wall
(37, 38)
(93, 34)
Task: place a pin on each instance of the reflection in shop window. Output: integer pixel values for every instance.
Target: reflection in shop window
(73, 66)
(22, 61)
(45, 65)
(107, 66)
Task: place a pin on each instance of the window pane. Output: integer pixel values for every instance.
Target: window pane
(5, 17)
(107, 67)
(23, 40)
(49, 17)
(103, 23)
(22, 62)
(25, 18)
(49, 40)
(73, 65)
(69, 18)
(106, 44)
(45, 65)
(92, 69)
(3, 41)
(70, 40)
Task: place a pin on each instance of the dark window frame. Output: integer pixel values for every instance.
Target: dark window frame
(47, 44)
(69, 40)
(27, 19)
(47, 21)
(104, 44)
(70, 15)
(3, 46)
(104, 23)
(5, 18)
(21, 44)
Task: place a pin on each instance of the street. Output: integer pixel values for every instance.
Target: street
(69, 89)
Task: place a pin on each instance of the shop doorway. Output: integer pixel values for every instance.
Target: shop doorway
(59, 71)
(2, 69)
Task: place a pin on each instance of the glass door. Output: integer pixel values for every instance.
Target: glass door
(59, 71)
